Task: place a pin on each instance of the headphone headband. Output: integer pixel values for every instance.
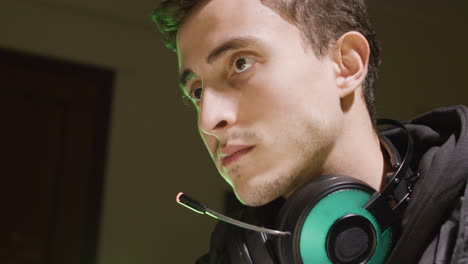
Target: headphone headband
(378, 203)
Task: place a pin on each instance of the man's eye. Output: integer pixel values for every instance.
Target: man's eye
(196, 94)
(242, 64)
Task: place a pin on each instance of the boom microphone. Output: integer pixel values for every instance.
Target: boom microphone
(200, 208)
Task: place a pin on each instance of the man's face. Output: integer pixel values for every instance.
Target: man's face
(268, 108)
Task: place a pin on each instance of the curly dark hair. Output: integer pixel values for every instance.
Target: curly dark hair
(321, 21)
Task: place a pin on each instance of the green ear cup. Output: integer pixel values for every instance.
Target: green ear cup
(314, 215)
(314, 232)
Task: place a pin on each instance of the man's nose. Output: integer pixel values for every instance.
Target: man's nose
(217, 112)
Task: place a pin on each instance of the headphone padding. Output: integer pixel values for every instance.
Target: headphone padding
(299, 204)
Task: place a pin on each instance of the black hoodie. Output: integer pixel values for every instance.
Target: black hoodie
(430, 230)
(434, 226)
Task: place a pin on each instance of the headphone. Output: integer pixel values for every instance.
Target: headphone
(331, 219)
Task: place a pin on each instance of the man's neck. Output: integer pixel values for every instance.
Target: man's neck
(358, 154)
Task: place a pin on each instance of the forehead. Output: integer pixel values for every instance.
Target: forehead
(214, 21)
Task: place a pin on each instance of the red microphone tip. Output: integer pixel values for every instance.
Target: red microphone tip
(178, 197)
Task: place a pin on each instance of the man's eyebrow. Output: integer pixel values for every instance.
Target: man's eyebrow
(230, 44)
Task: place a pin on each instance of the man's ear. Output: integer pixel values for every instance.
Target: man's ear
(351, 56)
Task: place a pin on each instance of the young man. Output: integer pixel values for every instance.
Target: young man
(283, 90)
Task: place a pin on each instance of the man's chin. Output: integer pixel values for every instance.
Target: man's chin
(255, 196)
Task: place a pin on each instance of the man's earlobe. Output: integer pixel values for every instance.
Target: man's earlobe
(351, 55)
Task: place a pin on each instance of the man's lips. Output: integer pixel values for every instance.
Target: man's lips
(231, 154)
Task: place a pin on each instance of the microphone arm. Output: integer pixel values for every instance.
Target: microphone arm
(200, 208)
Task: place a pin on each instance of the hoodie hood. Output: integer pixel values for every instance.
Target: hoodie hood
(441, 158)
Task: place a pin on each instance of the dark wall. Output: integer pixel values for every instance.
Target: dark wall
(424, 55)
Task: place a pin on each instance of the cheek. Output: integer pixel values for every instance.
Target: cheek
(277, 92)
(288, 100)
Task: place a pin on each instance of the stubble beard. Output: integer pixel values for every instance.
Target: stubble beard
(282, 182)
(290, 171)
